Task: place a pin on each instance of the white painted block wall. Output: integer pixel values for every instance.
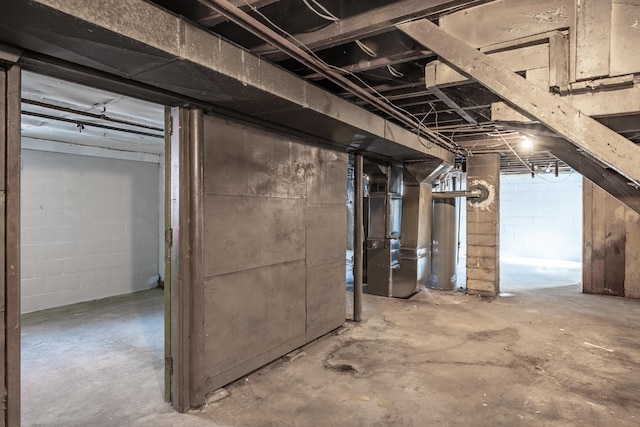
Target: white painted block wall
(541, 217)
(89, 228)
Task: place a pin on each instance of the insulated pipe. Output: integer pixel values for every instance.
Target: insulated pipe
(451, 194)
(358, 239)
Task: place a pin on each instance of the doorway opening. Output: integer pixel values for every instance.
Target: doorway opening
(540, 231)
(92, 254)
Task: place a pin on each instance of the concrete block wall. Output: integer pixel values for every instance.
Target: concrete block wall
(483, 226)
(275, 226)
(541, 217)
(89, 228)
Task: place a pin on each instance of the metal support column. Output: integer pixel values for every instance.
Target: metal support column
(358, 240)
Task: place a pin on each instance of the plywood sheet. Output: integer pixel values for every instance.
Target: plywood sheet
(593, 31)
(615, 242)
(506, 20)
(625, 34)
(587, 227)
(600, 198)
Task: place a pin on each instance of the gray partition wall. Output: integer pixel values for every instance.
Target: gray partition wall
(273, 250)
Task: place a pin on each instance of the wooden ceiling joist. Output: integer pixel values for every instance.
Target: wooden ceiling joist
(368, 24)
(617, 152)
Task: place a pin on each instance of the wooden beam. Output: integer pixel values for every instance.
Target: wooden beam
(451, 104)
(405, 56)
(609, 147)
(609, 181)
(602, 101)
(368, 24)
(212, 19)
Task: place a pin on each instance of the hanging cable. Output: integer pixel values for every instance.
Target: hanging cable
(394, 72)
(326, 15)
(440, 139)
(366, 49)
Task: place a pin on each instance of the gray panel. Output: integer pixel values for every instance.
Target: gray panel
(326, 303)
(328, 182)
(244, 160)
(243, 232)
(304, 160)
(251, 312)
(326, 233)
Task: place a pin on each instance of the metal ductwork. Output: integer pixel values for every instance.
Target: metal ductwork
(398, 224)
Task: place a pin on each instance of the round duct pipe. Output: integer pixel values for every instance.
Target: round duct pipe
(444, 245)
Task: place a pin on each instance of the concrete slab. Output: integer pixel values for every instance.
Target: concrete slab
(551, 357)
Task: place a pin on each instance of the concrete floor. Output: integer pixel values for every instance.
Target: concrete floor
(96, 363)
(550, 357)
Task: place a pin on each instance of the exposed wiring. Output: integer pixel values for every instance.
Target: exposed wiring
(515, 153)
(394, 72)
(531, 169)
(326, 15)
(430, 144)
(366, 49)
(443, 140)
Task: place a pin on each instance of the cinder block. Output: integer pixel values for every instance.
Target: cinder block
(58, 283)
(78, 264)
(482, 240)
(482, 287)
(482, 228)
(483, 274)
(50, 267)
(96, 276)
(29, 287)
(482, 251)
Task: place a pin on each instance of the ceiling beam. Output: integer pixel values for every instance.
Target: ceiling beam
(398, 58)
(451, 104)
(368, 24)
(602, 143)
(610, 181)
(212, 18)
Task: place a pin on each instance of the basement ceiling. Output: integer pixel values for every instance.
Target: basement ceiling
(357, 41)
(61, 111)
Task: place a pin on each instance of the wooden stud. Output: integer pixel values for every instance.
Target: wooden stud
(614, 247)
(587, 232)
(12, 249)
(598, 264)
